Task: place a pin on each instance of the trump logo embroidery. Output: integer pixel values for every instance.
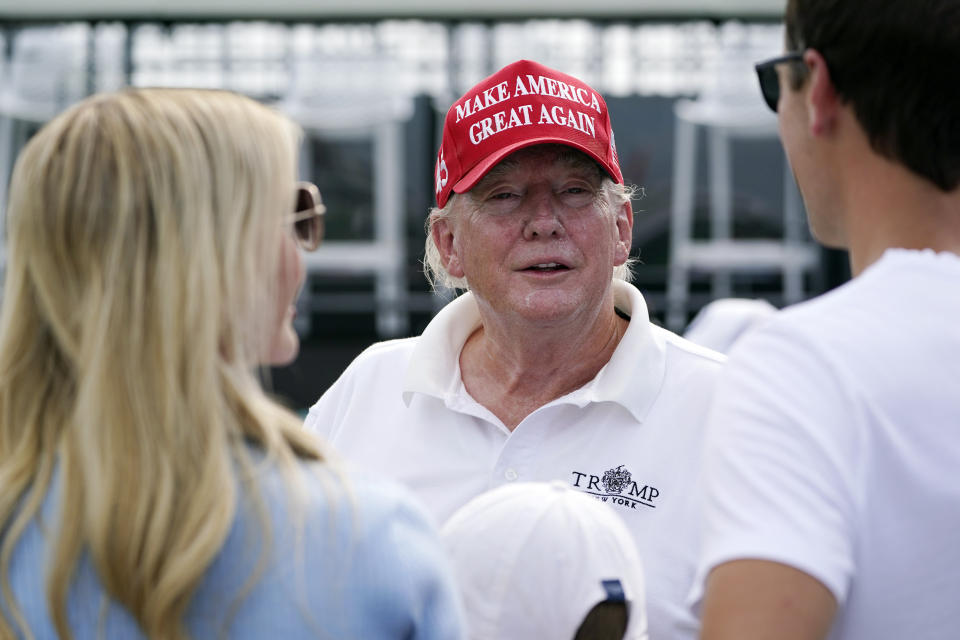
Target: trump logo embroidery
(618, 487)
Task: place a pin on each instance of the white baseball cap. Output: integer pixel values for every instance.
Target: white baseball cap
(533, 558)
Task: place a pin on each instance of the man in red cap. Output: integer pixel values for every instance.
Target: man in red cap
(548, 368)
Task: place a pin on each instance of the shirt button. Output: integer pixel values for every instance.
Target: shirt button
(510, 475)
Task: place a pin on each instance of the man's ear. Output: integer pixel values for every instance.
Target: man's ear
(624, 233)
(445, 238)
(823, 103)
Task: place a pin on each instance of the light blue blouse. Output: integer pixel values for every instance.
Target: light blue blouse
(369, 565)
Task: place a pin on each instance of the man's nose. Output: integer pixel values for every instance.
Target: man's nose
(543, 216)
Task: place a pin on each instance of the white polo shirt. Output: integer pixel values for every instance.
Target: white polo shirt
(631, 437)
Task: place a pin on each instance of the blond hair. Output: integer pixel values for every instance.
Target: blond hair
(612, 196)
(128, 341)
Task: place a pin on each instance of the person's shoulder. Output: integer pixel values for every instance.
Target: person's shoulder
(836, 315)
(689, 368)
(803, 339)
(677, 350)
(379, 359)
(687, 352)
(387, 350)
(390, 534)
(897, 274)
(906, 263)
(378, 371)
(334, 536)
(322, 491)
(385, 506)
(373, 497)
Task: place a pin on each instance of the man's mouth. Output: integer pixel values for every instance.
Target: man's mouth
(547, 266)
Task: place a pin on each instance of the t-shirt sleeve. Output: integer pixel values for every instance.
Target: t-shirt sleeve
(780, 460)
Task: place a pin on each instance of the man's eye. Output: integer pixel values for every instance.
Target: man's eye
(506, 195)
(578, 195)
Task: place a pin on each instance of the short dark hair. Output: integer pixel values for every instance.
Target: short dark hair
(895, 62)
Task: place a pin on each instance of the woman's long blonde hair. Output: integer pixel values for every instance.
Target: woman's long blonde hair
(139, 260)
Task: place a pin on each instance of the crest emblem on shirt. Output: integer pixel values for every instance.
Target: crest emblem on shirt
(616, 486)
(614, 480)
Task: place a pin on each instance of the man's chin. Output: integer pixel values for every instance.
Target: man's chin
(549, 307)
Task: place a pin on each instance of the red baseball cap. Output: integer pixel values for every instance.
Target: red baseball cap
(523, 104)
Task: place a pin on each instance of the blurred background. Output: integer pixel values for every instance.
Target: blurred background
(370, 82)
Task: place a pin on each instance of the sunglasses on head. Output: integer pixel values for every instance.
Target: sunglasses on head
(767, 75)
(307, 218)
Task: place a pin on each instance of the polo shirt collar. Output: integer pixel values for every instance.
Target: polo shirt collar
(632, 378)
(634, 375)
(434, 367)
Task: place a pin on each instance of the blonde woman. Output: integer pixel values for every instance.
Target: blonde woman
(149, 486)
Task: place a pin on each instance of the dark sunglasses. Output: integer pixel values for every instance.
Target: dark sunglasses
(767, 74)
(307, 218)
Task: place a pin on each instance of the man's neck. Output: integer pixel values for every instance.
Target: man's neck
(880, 203)
(890, 207)
(514, 371)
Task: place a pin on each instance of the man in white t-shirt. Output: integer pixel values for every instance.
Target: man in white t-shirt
(833, 504)
(548, 368)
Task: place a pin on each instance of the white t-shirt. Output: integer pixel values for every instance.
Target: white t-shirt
(631, 436)
(834, 447)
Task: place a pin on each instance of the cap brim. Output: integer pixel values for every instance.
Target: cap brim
(474, 175)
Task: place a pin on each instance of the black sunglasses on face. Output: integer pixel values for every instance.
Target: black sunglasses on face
(307, 219)
(767, 74)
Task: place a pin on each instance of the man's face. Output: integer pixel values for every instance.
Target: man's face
(810, 160)
(533, 239)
